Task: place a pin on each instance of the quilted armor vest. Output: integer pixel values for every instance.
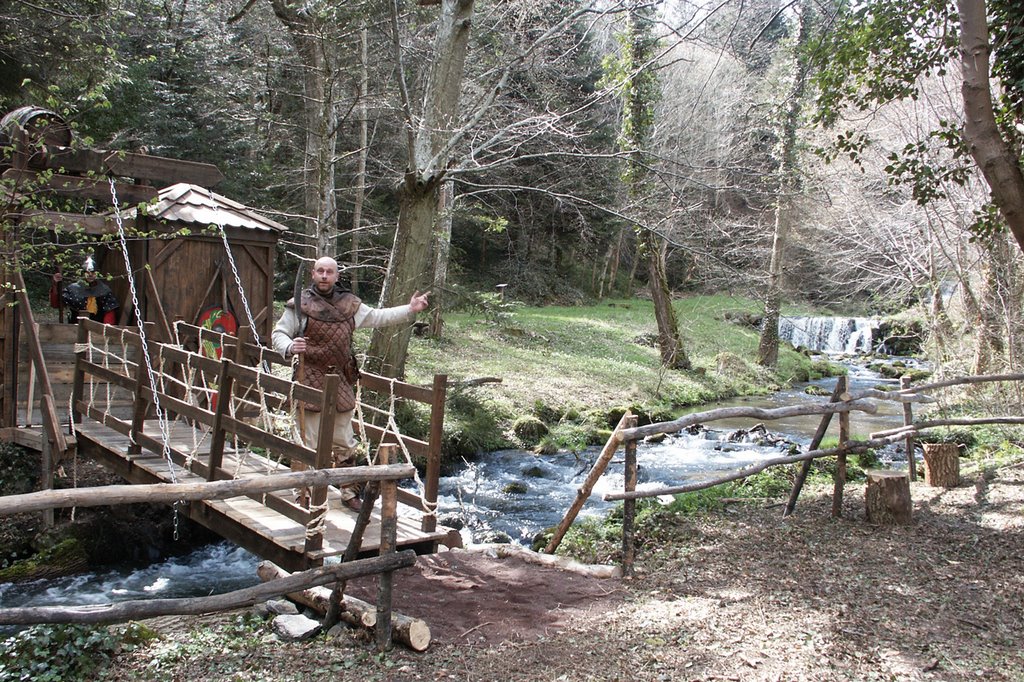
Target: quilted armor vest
(330, 322)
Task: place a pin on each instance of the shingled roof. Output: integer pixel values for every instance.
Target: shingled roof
(193, 204)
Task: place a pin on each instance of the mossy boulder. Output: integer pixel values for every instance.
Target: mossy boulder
(67, 557)
(529, 430)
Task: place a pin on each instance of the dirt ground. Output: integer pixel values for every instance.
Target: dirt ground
(740, 594)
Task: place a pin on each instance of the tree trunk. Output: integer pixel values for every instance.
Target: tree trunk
(408, 268)
(997, 161)
(768, 347)
(407, 272)
(357, 206)
(442, 249)
(887, 498)
(990, 332)
(638, 123)
(673, 355)
(318, 54)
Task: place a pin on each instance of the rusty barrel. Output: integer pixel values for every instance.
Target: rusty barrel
(34, 125)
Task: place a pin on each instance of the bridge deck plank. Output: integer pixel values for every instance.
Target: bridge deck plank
(245, 521)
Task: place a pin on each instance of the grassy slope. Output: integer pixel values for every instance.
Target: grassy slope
(599, 357)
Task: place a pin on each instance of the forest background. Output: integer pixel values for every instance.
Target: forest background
(571, 151)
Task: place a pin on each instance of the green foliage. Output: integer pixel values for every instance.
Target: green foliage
(879, 52)
(19, 469)
(64, 653)
(471, 426)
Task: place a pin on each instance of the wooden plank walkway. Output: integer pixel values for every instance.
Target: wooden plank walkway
(253, 524)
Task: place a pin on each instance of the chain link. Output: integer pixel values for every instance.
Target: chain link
(160, 417)
(234, 270)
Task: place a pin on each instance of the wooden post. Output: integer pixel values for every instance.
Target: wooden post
(140, 405)
(225, 383)
(31, 389)
(840, 475)
(244, 337)
(388, 544)
(433, 473)
(629, 505)
(336, 600)
(819, 435)
(908, 419)
(46, 458)
(78, 386)
(588, 485)
(941, 465)
(887, 497)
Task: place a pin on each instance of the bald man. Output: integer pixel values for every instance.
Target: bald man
(323, 336)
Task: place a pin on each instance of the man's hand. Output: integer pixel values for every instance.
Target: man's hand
(419, 301)
(298, 346)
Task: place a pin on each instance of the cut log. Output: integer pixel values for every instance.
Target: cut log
(412, 632)
(941, 465)
(887, 497)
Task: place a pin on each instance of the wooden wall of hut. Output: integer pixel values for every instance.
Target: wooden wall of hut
(192, 274)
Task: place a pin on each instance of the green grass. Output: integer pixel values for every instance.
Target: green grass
(581, 359)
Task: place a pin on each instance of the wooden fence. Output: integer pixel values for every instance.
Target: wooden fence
(842, 402)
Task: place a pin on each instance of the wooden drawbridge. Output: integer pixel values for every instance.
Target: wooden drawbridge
(228, 413)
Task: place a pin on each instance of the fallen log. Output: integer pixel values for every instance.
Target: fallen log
(412, 632)
(551, 560)
(193, 606)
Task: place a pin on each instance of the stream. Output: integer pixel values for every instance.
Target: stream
(504, 495)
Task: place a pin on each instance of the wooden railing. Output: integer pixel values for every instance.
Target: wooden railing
(236, 382)
(54, 443)
(244, 351)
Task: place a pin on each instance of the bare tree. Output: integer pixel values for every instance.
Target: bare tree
(788, 185)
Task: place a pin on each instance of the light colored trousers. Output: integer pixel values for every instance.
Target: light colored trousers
(342, 453)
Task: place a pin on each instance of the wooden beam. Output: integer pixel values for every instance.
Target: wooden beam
(205, 490)
(74, 222)
(86, 188)
(189, 606)
(127, 164)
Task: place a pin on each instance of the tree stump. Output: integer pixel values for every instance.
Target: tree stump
(887, 497)
(942, 465)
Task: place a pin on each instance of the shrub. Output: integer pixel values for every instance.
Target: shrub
(59, 653)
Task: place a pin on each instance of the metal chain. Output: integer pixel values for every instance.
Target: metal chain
(234, 270)
(160, 417)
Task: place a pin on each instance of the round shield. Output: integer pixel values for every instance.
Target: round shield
(216, 319)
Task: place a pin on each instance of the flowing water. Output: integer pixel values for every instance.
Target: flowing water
(510, 492)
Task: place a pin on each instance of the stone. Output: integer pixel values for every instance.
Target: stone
(296, 628)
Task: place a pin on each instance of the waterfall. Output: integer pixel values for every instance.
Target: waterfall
(849, 335)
